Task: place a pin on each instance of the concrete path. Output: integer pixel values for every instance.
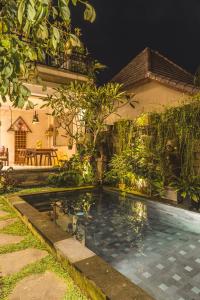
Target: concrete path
(38, 286)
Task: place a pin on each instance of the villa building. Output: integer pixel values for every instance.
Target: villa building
(26, 129)
(155, 82)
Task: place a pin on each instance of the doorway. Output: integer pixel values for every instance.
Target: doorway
(20, 143)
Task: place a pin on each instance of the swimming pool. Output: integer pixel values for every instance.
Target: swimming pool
(155, 245)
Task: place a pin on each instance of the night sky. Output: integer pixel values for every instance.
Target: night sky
(125, 27)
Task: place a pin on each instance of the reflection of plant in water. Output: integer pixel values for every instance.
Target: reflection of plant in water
(84, 203)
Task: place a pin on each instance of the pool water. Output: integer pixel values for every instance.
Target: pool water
(155, 245)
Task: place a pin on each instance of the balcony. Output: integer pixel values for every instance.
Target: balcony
(64, 68)
(76, 63)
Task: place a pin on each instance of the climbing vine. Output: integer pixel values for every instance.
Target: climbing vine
(161, 148)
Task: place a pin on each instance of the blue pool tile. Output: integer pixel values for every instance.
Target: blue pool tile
(163, 287)
(176, 277)
(188, 268)
(182, 252)
(146, 274)
(192, 246)
(160, 267)
(172, 259)
(195, 290)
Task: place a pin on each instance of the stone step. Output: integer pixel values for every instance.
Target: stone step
(46, 286)
(13, 262)
(7, 222)
(3, 213)
(8, 239)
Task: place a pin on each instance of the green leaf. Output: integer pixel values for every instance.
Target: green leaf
(54, 12)
(184, 194)
(21, 10)
(30, 105)
(45, 2)
(8, 70)
(6, 43)
(89, 14)
(25, 91)
(40, 15)
(195, 198)
(20, 102)
(56, 33)
(31, 13)
(64, 10)
(32, 54)
(42, 32)
(74, 2)
(74, 40)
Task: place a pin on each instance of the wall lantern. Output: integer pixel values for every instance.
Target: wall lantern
(35, 118)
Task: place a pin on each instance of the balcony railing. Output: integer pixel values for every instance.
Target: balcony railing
(75, 62)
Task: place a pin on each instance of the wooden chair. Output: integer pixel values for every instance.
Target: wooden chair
(51, 157)
(54, 156)
(47, 158)
(22, 157)
(4, 155)
(31, 157)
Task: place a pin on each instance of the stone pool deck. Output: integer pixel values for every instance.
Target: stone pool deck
(24, 272)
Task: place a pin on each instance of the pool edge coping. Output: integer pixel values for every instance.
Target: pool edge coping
(99, 283)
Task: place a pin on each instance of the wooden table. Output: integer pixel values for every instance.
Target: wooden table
(48, 153)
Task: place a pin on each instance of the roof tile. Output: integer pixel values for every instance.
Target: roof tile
(152, 65)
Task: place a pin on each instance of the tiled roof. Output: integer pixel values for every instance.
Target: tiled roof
(151, 65)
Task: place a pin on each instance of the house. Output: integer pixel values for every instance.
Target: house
(155, 82)
(23, 129)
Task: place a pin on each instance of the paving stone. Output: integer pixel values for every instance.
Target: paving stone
(7, 222)
(3, 213)
(39, 287)
(13, 262)
(7, 239)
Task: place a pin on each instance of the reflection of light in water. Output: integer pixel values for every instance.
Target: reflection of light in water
(139, 211)
(138, 220)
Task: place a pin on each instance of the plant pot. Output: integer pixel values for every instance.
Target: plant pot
(170, 194)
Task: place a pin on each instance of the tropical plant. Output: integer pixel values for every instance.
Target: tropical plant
(83, 108)
(120, 170)
(75, 172)
(7, 181)
(188, 187)
(30, 29)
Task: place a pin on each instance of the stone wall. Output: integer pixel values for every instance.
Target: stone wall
(32, 178)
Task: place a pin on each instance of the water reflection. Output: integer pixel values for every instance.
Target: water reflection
(89, 216)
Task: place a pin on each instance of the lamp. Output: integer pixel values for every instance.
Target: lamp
(11, 121)
(35, 118)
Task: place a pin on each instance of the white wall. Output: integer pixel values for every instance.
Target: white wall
(151, 96)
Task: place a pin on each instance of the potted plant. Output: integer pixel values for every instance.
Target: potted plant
(188, 189)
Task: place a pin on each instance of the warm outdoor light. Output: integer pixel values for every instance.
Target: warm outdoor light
(35, 118)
